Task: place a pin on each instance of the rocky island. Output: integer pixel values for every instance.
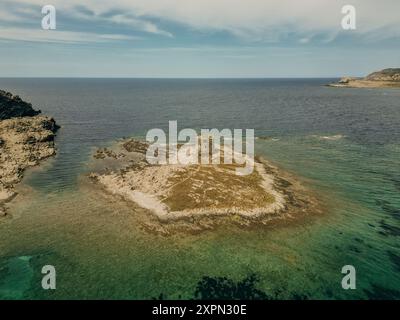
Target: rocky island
(196, 196)
(26, 138)
(387, 78)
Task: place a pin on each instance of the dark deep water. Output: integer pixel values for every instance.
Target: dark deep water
(344, 143)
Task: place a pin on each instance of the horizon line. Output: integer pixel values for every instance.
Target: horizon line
(167, 78)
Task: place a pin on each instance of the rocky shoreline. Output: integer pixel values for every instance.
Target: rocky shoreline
(387, 78)
(26, 138)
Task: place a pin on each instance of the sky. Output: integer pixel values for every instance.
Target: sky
(198, 38)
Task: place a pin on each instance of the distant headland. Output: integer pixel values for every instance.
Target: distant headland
(386, 78)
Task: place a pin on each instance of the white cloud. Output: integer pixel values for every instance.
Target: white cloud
(56, 36)
(305, 40)
(138, 24)
(124, 19)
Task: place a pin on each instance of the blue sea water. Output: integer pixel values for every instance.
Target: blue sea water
(344, 144)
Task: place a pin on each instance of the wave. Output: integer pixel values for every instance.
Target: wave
(331, 137)
(266, 138)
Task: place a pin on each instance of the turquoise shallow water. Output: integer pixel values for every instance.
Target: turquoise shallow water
(344, 145)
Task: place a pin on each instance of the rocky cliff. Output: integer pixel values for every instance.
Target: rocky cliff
(391, 74)
(25, 139)
(13, 106)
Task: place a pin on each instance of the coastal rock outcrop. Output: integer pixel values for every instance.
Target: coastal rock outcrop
(386, 78)
(12, 106)
(25, 139)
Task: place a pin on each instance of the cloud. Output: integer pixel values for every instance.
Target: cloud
(56, 36)
(139, 24)
(9, 17)
(15, 14)
(251, 20)
(119, 17)
(265, 19)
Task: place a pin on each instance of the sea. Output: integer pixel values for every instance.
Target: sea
(342, 144)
